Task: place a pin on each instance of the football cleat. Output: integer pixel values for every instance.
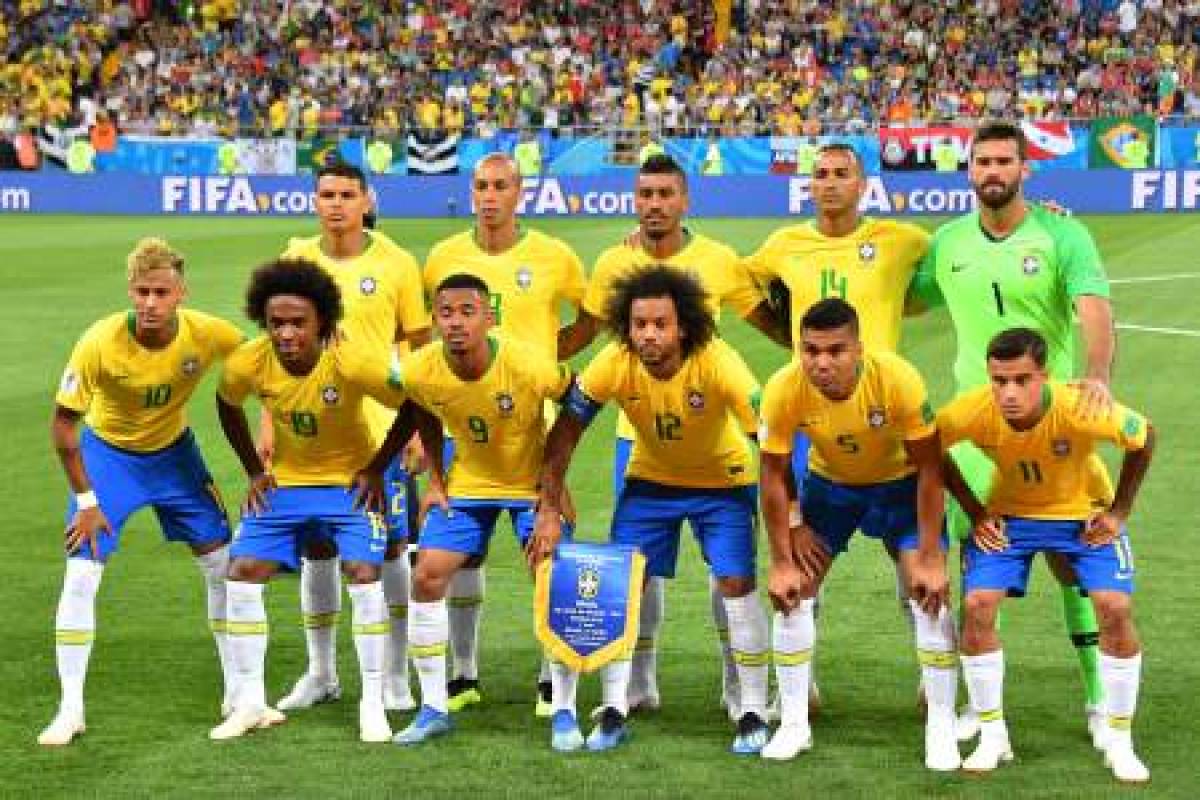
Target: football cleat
(1125, 765)
(373, 724)
(941, 747)
(66, 725)
(462, 692)
(991, 752)
(788, 742)
(246, 720)
(310, 691)
(565, 736)
(752, 735)
(609, 732)
(428, 724)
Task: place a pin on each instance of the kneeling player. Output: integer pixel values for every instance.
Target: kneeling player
(690, 400)
(132, 374)
(323, 443)
(489, 394)
(1043, 502)
(875, 466)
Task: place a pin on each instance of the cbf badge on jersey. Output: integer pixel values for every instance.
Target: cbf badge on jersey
(587, 598)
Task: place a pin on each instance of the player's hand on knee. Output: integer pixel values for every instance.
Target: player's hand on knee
(1102, 529)
(811, 556)
(1095, 398)
(369, 494)
(784, 586)
(929, 585)
(84, 530)
(547, 530)
(261, 485)
(989, 534)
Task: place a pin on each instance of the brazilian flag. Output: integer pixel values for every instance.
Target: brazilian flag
(312, 154)
(1123, 142)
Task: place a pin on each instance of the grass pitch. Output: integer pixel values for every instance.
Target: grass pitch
(153, 689)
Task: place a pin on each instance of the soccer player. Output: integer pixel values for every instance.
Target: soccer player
(1014, 264)
(323, 444)
(129, 378)
(660, 201)
(1041, 436)
(531, 277)
(690, 399)
(381, 291)
(867, 262)
(874, 465)
(489, 393)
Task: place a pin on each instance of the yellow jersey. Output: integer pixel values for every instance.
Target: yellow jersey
(1046, 472)
(870, 269)
(496, 421)
(528, 282)
(381, 287)
(715, 265)
(135, 397)
(858, 441)
(382, 296)
(691, 430)
(322, 435)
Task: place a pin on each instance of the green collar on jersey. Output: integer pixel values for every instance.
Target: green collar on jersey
(493, 350)
(687, 242)
(521, 234)
(131, 326)
(370, 236)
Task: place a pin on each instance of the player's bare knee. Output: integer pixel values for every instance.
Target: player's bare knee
(359, 572)
(979, 611)
(250, 570)
(429, 583)
(735, 586)
(319, 550)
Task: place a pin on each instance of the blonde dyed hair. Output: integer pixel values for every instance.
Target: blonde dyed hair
(152, 254)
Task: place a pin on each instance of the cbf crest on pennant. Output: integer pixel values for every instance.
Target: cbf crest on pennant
(587, 598)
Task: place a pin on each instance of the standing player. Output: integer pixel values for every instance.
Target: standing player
(531, 276)
(131, 374)
(867, 262)
(660, 200)
(323, 443)
(690, 399)
(1041, 436)
(1014, 264)
(875, 465)
(381, 290)
(490, 395)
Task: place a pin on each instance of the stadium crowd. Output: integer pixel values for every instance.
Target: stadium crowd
(294, 66)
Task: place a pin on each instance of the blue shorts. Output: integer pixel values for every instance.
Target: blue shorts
(173, 481)
(400, 494)
(1105, 569)
(297, 513)
(469, 524)
(650, 516)
(800, 448)
(621, 454)
(885, 511)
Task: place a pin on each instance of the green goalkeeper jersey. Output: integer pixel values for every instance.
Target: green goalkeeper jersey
(1028, 279)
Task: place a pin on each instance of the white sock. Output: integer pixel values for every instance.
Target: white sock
(247, 626)
(397, 588)
(643, 675)
(1121, 678)
(729, 673)
(793, 640)
(428, 632)
(215, 568)
(371, 626)
(750, 643)
(564, 681)
(984, 676)
(614, 681)
(936, 652)
(321, 604)
(75, 628)
(465, 597)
